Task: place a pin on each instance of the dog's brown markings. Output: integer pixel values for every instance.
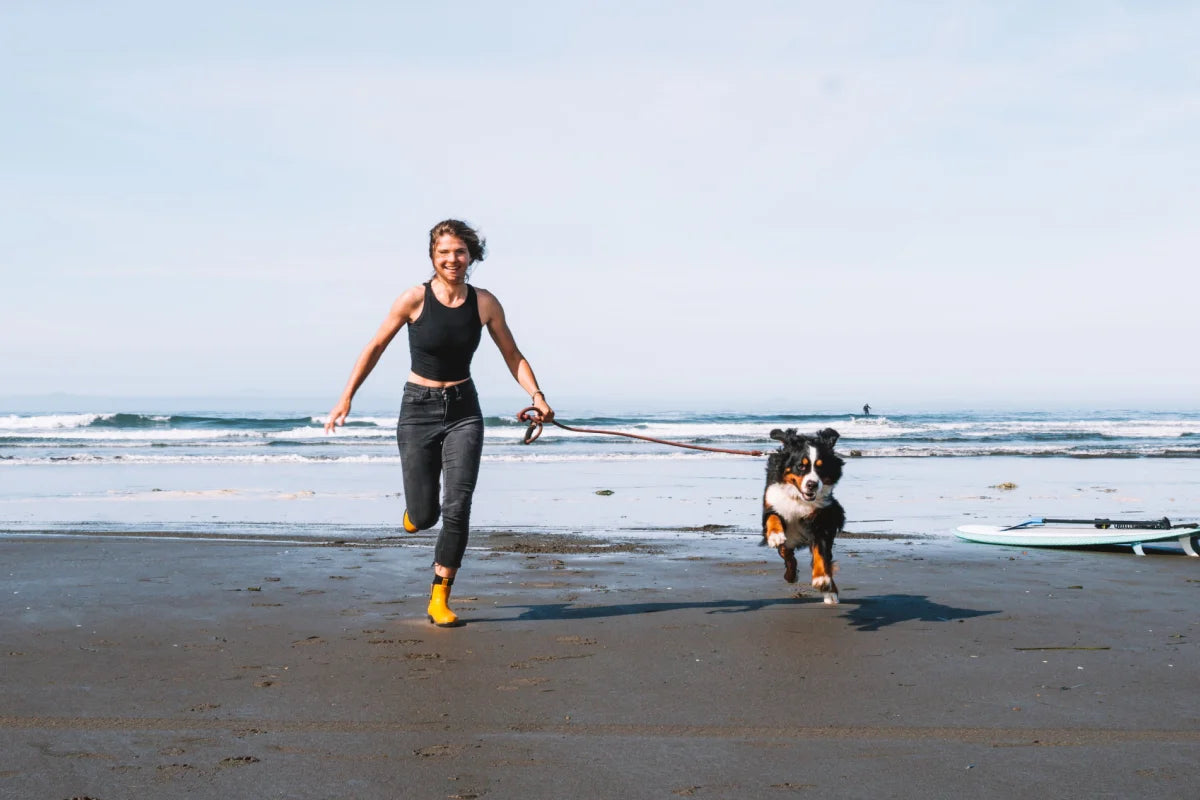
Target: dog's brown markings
(819, 568)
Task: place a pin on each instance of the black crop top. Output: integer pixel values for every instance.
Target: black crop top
(443, 340)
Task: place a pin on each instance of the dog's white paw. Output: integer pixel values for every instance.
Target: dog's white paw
(831, 598)
(775, 539)
(824, 583)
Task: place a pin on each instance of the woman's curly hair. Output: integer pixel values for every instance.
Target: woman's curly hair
(476, 245)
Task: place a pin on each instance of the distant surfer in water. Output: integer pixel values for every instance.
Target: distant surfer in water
(867, 409)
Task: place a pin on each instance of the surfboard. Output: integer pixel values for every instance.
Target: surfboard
(1085, 533)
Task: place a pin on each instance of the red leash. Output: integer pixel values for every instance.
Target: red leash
(534, 418)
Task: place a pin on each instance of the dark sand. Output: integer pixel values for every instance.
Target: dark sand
(139, 668)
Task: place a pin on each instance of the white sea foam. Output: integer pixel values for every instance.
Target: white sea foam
(78, 439)
(164, 495)
(291, 458)
(48, 422)
(340, 433)
(359, 422)
(81, 427)
(101, 435)
(69, 459)
(1131, 428)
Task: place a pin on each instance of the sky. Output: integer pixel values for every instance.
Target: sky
(804, 206)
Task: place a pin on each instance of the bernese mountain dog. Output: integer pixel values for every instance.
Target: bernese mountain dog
(798, 504)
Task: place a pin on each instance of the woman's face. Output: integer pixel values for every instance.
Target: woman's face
(451, 259)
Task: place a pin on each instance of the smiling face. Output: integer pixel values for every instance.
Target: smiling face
(451, 257)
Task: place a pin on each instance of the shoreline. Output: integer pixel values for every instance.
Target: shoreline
(488, 534)
(233, 669)
(909, 497)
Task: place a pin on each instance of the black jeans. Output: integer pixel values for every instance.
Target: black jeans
(440, 431)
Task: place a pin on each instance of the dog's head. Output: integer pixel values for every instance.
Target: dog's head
(807, 462)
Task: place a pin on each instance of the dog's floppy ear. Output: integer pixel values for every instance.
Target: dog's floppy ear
(829, 436)
(788, 437)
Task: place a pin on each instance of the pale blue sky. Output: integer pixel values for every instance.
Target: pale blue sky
(799, 205)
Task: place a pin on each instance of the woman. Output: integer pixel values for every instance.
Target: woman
(441, 427)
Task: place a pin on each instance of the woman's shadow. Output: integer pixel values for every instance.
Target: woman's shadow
(865, 613)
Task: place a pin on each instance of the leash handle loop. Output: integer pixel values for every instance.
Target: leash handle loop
(531, 415)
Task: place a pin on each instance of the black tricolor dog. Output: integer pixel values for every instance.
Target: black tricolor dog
(798, 504)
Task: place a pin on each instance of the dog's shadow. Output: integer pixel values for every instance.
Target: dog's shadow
(880, 611)
(865, 613)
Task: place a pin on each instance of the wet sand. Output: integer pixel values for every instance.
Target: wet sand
(155, 667)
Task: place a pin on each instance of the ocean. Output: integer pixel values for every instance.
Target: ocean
(276, 473)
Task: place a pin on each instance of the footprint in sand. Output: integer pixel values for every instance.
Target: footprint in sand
(521, 683)
(437, 751)
(205, 707)
(574, 640)
(308, 641)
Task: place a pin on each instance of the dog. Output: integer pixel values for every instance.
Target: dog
(798, 504)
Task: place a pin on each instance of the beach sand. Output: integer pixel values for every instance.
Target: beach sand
(156, 667)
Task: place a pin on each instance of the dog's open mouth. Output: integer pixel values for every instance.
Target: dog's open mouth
(806, 491)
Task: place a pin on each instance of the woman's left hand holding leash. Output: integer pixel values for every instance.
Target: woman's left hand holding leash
(543, 408)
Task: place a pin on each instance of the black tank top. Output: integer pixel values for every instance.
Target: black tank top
(443, 340)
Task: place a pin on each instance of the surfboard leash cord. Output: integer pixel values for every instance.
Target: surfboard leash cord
(531, 415)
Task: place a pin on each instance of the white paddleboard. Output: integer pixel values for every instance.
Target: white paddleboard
(1043, 535)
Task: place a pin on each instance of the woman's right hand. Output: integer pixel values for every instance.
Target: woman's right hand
(337, 415)
(401, 312)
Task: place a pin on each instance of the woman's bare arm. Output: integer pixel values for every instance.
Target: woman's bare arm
(403, 310)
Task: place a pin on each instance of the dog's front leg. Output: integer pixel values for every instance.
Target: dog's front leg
(822, 571)
(772, 528)
(789, 563)
(774, 536)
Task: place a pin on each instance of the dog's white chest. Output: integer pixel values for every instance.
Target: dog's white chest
(788, 503)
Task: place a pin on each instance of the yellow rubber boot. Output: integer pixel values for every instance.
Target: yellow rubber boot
(440, 613)
(408, 526)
